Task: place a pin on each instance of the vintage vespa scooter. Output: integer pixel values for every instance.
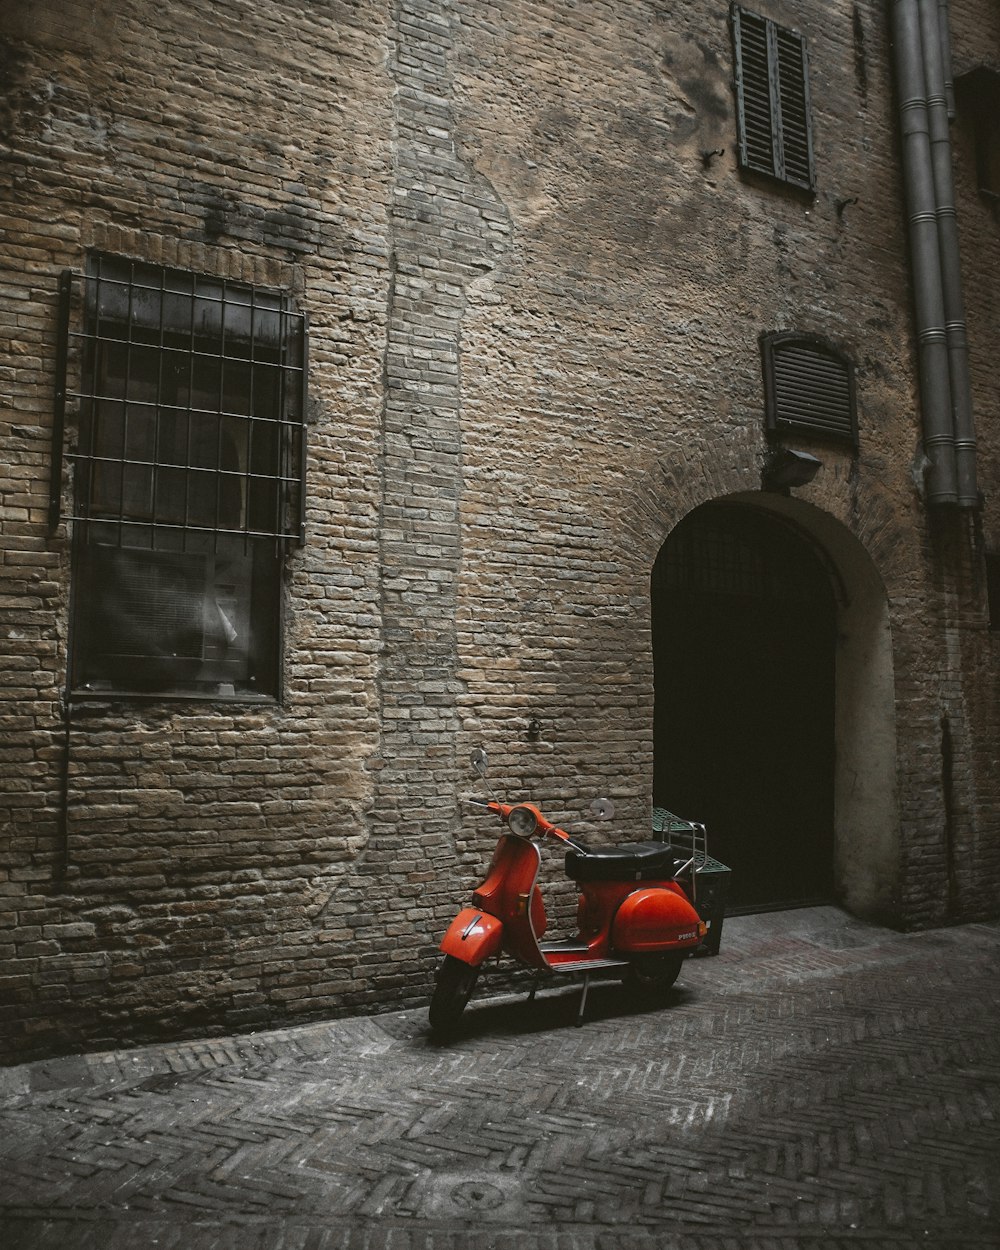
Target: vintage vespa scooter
(634, 917)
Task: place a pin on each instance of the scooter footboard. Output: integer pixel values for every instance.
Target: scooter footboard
(473, 936)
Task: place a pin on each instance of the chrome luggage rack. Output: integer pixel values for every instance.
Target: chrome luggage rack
(709, 879)
(687, 838)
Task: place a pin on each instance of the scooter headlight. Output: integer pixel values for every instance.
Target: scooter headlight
(522, 821)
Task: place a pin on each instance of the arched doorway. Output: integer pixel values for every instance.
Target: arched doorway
(744, 617)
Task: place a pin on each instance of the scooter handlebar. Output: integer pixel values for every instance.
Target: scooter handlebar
(545, 826)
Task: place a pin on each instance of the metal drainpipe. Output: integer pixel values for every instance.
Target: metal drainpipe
(944, 24)
(932, 347)
(963, 429)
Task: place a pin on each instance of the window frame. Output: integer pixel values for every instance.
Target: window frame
(249, 508)
(775, 97)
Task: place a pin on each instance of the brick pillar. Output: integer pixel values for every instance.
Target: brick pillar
(447, 229)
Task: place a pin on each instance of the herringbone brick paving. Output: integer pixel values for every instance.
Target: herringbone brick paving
(822, 1083)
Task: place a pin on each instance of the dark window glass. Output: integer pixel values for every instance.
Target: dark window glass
(188, 479)
(772, 99)
(993, 588)
(978, 96)
(808, 386)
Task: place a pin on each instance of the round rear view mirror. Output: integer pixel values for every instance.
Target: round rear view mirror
(478, 758)
(603, 809)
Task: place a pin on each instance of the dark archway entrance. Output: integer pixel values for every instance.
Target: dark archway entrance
(744, 637)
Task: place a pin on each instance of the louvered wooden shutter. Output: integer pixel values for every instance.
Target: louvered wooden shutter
(772, 99)
(808, 386)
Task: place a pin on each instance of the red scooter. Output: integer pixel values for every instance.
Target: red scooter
(634, 918)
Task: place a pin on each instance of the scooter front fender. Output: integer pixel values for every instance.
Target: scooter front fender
(473, 936)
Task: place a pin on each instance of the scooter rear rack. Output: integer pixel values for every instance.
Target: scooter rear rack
(688, 839)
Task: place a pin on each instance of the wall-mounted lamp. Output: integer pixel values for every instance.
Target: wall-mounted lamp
(785, 469)
(534, 729)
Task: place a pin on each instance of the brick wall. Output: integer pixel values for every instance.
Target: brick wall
(975, 38)
(535, 289)
(202, 841)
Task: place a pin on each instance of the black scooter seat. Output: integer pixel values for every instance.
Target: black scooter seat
(632, 861)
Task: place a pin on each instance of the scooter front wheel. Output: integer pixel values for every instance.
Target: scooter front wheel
(455, 982)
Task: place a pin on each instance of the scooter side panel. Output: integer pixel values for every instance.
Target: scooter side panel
(473, 936)
(656, 919)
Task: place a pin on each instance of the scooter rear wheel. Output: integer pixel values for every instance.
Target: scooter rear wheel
(455, 982)
(653, 974)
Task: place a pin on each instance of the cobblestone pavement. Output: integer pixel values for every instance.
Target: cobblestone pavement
(821, 1083)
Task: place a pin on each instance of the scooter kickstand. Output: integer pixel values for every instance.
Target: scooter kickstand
(534, 987)
(583, 1000)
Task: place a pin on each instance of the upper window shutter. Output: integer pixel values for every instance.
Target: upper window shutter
(772, 100)
(808, 386)
(793, 97)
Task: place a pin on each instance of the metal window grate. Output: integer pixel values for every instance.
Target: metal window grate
(190, 395)
(808, 386)
(735, 553)
(772, 99)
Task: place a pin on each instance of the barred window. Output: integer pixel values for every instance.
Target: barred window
(188, 472)
(774, 130)
(808, 386)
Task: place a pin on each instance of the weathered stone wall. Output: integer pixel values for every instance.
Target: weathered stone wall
(203, 841)
(659, 266)
(535, 287)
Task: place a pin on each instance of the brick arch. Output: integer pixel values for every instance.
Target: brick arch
(678, 483)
